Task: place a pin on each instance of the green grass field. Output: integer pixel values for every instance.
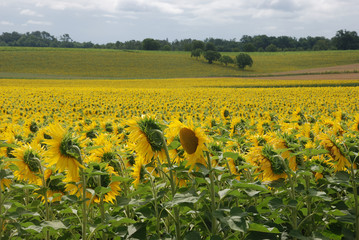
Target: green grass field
(17, 62)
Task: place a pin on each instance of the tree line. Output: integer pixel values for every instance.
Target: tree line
(343, 40)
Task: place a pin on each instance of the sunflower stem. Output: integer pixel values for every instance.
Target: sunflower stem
(294, 211)
(121, 164)
(173, 186)
(356, 204)
(309, 204)
(47, 215)
(212, 194)
(84, 186)
(1, 215)
(84, 207)
(102, 207)
(154, 194)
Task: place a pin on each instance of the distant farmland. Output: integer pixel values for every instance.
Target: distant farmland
(114, 64)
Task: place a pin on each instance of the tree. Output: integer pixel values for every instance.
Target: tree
(196, 44)
(211, 56)
(196, 53)
(345, 40)
(226, 59)
(271, 48)
(210, 46)
(249, 47)
(150, 44)
(243, 60)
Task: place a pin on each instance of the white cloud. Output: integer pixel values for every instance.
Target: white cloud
(182, 18)
(6, 23)
(28, 12)
(43, 23)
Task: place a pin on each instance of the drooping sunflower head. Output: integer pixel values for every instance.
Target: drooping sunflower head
(68, 146)
(271, 165)
(145, 134)
(139, 171)
(277, 164)
(28, 163)
(64, 151)
(149, 126)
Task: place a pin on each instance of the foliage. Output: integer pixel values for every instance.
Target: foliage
(271, 48)
(345, 40)
(196, 44)
(246, 43)
(150, 44)
(196, 53)
(243, 60)
(211, 56)
(226, 59)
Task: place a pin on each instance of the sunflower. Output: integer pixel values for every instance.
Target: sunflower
(106, 151)
(335, 153)
(63, 151)
(138, 171)
(225, 114)
(235, 126)
(281, 144)
(148, 142)
(9, 138)
(334, 126)
(28, 163)
(5, 182)
(270, 167)
(355, 123)
(104, 180)
(192, 140)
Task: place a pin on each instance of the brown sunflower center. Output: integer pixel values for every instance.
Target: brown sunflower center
(188, 140)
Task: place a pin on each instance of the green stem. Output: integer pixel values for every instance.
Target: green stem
(212, 194)
(1, 214)
(84, 186)
(84, 207)
(47, 213)
(294, 211)
(309, 205)
(102, 208)
(173, 187)
(154, 194)
(355, 191)
(122, 167)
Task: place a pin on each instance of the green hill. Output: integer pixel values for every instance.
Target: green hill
(17, 62)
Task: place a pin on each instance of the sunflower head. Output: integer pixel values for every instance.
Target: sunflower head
(277, 165)
(150, 128)
(32, 160)
(139, 171)
(68, 146)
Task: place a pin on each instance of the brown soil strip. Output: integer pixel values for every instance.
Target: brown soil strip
(343, 72)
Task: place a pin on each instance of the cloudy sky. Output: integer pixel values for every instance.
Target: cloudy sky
(103, 21)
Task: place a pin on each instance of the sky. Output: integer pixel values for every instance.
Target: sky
(104, 21)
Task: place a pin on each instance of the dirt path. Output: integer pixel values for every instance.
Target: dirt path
(337, 72)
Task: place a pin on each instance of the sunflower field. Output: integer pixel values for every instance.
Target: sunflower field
(179, 159)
